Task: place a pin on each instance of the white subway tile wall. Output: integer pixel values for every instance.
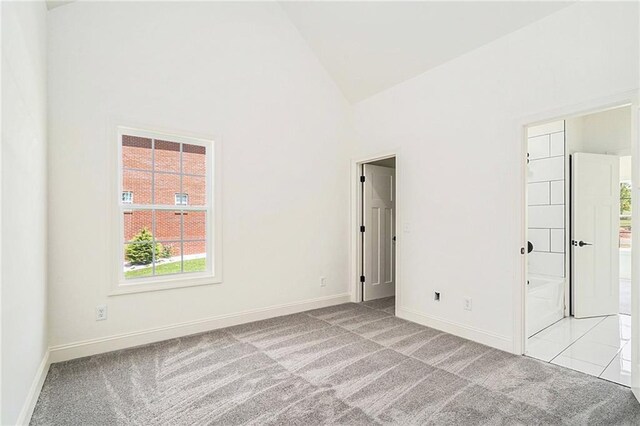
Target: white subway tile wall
(540, 238)
(549, 216)
(539, 193)
(539, 147)
(546, 169)
(545, 129)
(546, 199)
(556, 147)
(545, 263)
(557, 240)
(557, 192)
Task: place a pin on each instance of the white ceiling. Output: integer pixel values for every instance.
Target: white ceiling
(368, 47)
(52, 4)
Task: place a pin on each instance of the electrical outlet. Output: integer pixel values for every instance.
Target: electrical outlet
(406, 227)
(323, 281)
(436, 296)
(101, 312)
(467, 304)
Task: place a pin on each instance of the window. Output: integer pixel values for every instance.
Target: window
(166, 235)
(127, 197)
(625, 214)
(624, 232)
(181, 199)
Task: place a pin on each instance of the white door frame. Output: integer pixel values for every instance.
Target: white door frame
(520, 132)
(355, 248)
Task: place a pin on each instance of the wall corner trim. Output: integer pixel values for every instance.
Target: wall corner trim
(34, 391)
(497, 341)
(85, 348)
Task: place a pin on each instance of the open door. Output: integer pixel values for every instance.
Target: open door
(595, 215)
(379, 232)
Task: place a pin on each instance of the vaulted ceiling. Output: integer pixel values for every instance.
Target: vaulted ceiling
(368, 47)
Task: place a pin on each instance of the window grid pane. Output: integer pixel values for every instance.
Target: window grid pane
(195, 186)
(170, 259)
(137, 182)
(167, 156)
(194, 160)
(136, 153)
(174, 234)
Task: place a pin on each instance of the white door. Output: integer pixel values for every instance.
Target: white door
(379, 231)
(595, 207)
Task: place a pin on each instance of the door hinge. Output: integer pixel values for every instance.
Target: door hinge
(361, 278)
(362, 179)
(362, 228)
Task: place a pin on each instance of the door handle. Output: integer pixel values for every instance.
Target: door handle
(580, 243)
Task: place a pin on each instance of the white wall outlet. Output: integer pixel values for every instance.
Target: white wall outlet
(101, 312)
(406, 227)
(467, 304)
(323, 281)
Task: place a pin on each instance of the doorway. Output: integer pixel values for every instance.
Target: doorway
(377, 230)
(578, 289)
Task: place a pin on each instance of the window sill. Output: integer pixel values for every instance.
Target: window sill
(143, 286)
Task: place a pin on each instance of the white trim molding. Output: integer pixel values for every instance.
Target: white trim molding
(497, 341)
(34, 391)
(128, 340)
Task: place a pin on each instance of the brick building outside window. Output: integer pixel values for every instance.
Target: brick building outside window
(164, 206)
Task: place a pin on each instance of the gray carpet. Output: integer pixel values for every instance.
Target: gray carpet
(348, 364)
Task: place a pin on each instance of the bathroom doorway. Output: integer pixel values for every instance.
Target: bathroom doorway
(578, 291)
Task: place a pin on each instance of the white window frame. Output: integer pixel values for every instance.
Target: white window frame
(131, 198)
(213, 272)
(177, 197)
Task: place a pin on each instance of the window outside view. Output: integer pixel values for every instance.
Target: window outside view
(625, 214)
(164, 187)
(625, 208)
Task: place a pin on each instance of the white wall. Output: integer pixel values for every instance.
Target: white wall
(237, 71)
(605, 132)
(457, 130)
(24, 232)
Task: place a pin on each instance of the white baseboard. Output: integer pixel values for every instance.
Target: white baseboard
(481, 336)
(128, 340)
(34, 391)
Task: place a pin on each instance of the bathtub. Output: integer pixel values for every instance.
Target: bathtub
(545, 302)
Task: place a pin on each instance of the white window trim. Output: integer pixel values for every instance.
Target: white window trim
(213, 274)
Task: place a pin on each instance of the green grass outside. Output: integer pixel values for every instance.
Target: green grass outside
(192, 265)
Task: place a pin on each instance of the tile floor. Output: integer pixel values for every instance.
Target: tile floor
(597, 346)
